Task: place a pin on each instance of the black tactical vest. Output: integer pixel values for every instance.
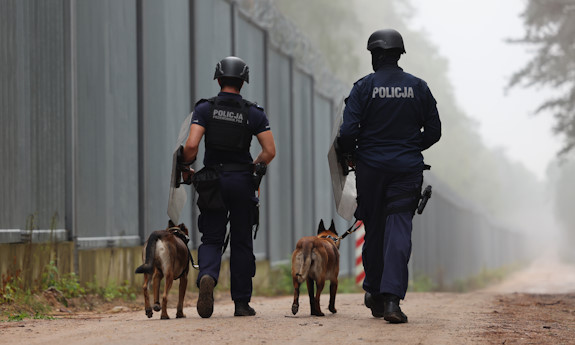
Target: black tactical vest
(227, 128)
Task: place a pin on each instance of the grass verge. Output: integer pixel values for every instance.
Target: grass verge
(52, 293)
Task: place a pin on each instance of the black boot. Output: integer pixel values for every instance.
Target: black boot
(205, 304)
(391, 310)
(375, 303)
(243, 309)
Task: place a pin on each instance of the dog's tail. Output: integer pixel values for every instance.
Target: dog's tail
(304, 261)
(148, 266)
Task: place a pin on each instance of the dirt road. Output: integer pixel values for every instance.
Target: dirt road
(506, 314)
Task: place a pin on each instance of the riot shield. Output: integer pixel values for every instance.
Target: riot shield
(343, 184)
(178, 195)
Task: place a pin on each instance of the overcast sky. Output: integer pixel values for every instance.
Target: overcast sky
(472, 34)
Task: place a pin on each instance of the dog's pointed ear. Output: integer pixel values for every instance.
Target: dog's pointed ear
(321, 227)
(332, 227)
(171, 224)
(183, 227)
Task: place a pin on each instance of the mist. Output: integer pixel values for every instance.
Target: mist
(493, 152)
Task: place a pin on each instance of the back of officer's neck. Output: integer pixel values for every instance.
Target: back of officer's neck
(383, 64)
(229, 89)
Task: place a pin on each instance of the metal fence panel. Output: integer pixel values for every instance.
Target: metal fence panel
(213, 41)
(33, 115)
(166, 101)
(107, 121)
(280, 177)
(321, 138)
(302, 168)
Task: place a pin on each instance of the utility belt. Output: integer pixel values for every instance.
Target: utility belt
(407, 207)
(207, 182)
(419, 200)
(229, 167)
(418, 204)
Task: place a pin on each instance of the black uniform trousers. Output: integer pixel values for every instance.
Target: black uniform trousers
(238, 192)
(387, 242)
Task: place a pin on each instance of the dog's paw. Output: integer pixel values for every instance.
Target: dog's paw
(317, 313)
(332, 309)
(149, 312)
(165, 317)
(294, 308)
(180, 315)
(157, 307)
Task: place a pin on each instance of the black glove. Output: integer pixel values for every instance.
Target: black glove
(260, 169)
(345, 159)
(181, 167)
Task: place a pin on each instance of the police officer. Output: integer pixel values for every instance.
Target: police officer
(389, 118)
(228, 123)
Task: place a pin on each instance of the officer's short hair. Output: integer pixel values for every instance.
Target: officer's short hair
(380, 52)
(233, 82)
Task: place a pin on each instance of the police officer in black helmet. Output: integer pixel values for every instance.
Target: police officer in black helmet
(226, 184)
(389, 119)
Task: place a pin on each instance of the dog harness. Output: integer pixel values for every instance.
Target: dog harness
(176, 231)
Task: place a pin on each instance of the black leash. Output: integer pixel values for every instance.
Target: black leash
(227, 240)
(179, 234)
(356, 225)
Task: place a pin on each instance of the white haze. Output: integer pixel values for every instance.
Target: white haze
(472, 35)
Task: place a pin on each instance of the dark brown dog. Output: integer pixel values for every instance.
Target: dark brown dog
(316, 258)
(166, 255)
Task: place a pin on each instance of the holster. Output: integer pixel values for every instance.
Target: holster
(425, 196)
(207, 183)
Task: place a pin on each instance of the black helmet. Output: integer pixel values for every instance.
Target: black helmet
(385, 39)
(232, 67)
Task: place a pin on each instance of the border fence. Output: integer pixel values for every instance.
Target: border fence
(92, 96)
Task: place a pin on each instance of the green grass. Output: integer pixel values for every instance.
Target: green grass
(422, 283)
(20, 299)
(112, 291)
(25, 315)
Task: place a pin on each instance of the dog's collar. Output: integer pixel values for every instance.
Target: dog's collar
(179, 233)
(335, 239)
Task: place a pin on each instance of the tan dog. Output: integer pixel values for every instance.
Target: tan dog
(316, 258)
(166, 255)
